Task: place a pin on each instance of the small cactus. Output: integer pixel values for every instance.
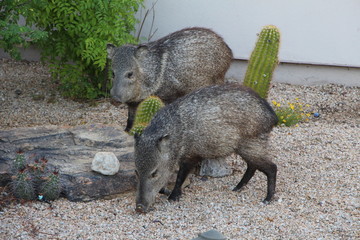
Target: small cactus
(22, 185)
(145, 112)
(19, 162)
(263, 61)
(138, 129)
(28, 179)
(50, 189)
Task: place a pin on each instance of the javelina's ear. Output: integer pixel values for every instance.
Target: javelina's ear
(141, 49)
(110, 50)
(163, 143)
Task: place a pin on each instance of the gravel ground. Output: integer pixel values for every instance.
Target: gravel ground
(318, 187)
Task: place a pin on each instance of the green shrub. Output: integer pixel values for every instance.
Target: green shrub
(13, 35)
(77, 34)
(292, 113)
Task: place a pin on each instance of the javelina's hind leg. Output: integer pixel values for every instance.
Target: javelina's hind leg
(247, 176)
(255, 155)
(270, 169)
(185, 169)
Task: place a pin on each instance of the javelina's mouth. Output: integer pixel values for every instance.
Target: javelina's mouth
(140, 208)
(115, 101)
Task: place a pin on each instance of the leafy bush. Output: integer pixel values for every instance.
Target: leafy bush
(78, 31)
(13, 35)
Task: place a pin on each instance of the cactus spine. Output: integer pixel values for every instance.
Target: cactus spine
(145, 112)
(263, 61)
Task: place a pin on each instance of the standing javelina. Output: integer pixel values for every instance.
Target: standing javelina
(212, 122)
(169, 68)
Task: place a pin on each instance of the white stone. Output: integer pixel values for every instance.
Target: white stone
(105, 163)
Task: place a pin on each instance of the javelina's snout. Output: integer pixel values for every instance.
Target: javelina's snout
(140, 208)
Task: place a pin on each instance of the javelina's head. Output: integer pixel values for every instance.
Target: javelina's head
(127, 74)
(153, 168)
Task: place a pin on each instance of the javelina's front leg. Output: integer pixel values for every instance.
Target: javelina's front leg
(131, 115)
(185, 169)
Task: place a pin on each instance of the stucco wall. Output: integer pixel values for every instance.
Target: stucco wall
(324, 32)
(320, 38)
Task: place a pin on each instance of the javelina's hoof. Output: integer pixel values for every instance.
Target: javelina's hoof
(174, 196)
(236, 189)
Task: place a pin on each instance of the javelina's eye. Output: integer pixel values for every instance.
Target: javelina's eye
(154, 174)
(129, 74)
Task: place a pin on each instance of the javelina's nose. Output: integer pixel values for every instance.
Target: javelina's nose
(140, 208)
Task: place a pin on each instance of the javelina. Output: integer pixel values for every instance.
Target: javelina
(169, 68)
(212, 122)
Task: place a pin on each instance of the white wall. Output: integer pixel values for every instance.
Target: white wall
(325, 32)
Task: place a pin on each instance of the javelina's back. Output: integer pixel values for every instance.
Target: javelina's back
(194, 58)
(215, 116)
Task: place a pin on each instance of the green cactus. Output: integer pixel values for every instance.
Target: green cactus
(139, 128)
(19, 162)
(145, 112)
(263, 61)
(50, 189)
(23, 185)
(28, 179)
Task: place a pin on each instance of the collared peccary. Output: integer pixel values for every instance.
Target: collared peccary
(211, 122)
(169, 68)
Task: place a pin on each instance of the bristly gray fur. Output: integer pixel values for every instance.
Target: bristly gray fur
(211, 122)
(170, 67)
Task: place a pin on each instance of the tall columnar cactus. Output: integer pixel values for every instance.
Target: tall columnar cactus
(263, 61)
(145, 112)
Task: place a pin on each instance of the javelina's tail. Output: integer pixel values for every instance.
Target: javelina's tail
(273, 119)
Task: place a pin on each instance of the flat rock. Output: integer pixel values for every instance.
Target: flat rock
(71, 150)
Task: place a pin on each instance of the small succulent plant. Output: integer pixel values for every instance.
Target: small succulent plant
(31, 179)
(145, 112)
